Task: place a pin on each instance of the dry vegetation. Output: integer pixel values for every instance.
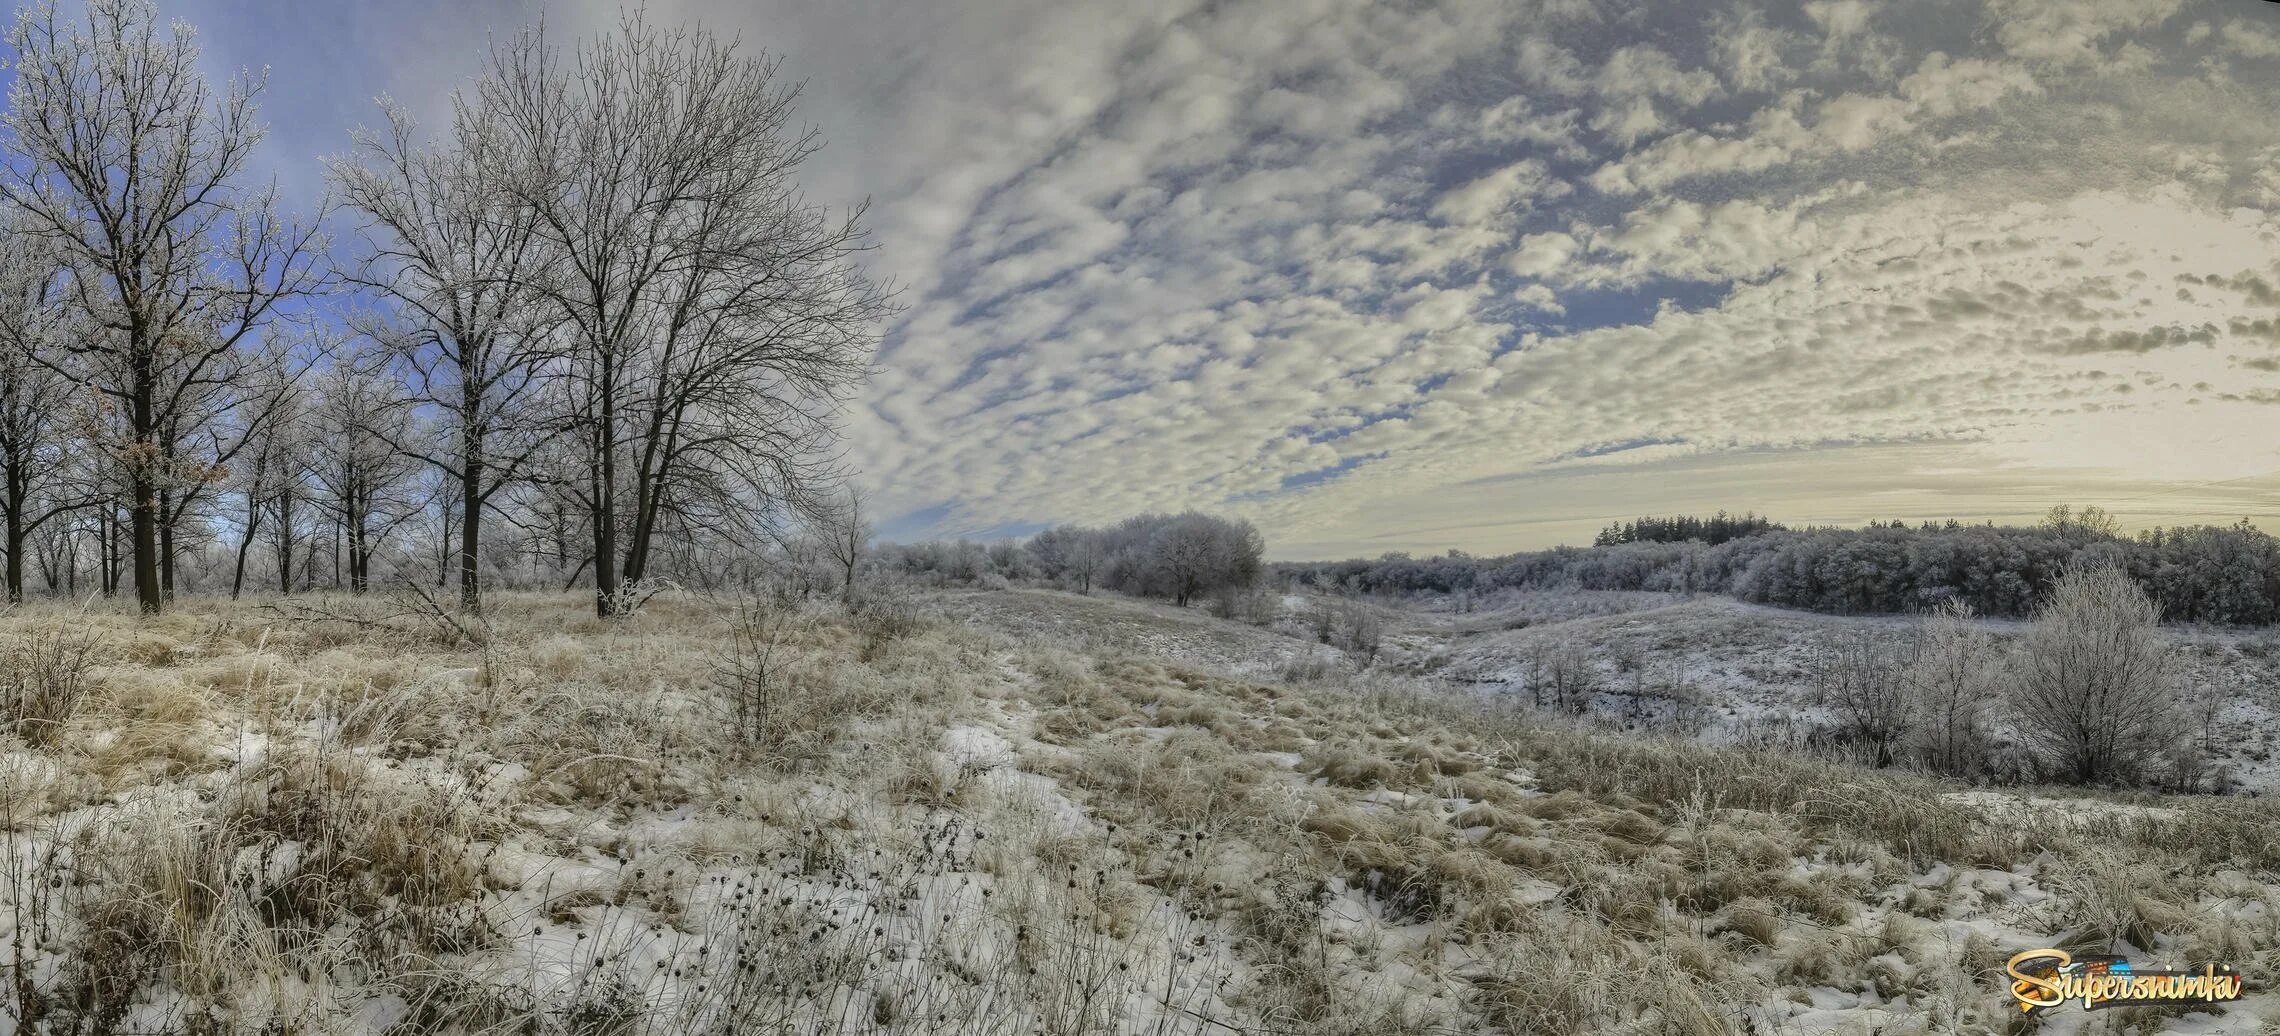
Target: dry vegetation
(752, 817)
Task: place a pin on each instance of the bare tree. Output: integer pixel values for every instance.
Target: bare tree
(2092, 694)
(1869, 691)
(285, 510)
(846, 537)
(456, 254)
(357, 420)
(1084, 559)
(1956, 671)
(268, 460)
(129, 164)
(37, 481)
(1364, 630)
(1562, 674)
(214, 418)
(1074, 555)
(714, 319)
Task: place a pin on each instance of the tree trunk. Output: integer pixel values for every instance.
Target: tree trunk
(106, 535)
(605, 503)
(245, 543)
(166, 544)
(148, 594)
(19, 493)
(142, 481)
(285, 543)
(470, 517)
(358, 552)
(644, 523)
(15, 547)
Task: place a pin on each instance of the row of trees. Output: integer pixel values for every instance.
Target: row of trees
(1181, 557)
(595, 305)
(2226, 575)
(1680, 528)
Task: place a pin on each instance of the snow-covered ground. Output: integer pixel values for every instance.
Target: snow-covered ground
(1733, 672)
(1028, 811)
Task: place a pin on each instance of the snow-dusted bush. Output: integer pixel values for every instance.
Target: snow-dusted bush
(2093, 693)
(44, 672)
(1869, 690)
(1956, 671)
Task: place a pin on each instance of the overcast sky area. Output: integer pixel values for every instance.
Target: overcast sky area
(1487, 274)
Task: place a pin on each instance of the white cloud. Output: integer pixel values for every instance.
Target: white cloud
(1539, 297)
(1840, 19)
(1541, 255)
(1492, 195)
(2073, 32)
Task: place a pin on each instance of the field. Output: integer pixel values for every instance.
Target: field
(1014, 811)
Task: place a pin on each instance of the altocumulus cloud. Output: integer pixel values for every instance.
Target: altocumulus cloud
(1338, 265)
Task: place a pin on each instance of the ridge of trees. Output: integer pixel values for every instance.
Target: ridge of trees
(2226, 575)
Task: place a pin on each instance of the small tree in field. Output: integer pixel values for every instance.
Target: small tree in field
(846, 537)
(1870, 692)
(1956, 671)
(2092, 692)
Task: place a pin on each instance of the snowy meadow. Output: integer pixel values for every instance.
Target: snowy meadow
(997, 811)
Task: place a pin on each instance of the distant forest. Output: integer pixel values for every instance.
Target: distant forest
(1182, 557)
(1683, 528)
(2227, 575)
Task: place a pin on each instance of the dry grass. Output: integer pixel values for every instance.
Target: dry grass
(776, 818)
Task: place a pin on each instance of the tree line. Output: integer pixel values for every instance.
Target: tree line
(1179, 557)
(593, 310)
(2227, 575)
(1681, 528)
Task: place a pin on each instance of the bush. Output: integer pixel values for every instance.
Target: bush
(2092, 695)
(1957, 669)
(43, 674)
(1870, 692)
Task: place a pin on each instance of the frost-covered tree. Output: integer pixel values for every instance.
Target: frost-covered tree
(1193, 554)
(364, 481)
(133, 169)
(274, 454)
(846, 537)
(1072, 555)
(1869, 691)
(1954, 674)
(713, 320)
(456, 255)
(2092, 693)
(39, 482)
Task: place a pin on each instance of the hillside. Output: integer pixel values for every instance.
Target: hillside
(994, 812)
(1728, 671)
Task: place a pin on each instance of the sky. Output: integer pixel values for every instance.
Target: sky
(1489, 274)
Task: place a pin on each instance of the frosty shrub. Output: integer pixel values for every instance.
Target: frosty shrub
(43, 675)
(2092, 692)
(1869, 690)
(1956, 671)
